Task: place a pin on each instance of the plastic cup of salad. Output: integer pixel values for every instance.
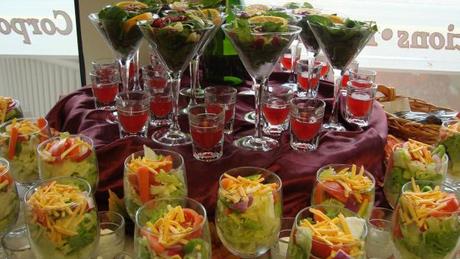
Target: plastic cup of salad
(61, 219)
(172, 228)
(346, 186)
(426, 222)
(18, 144)
(248, 213)
(327, 232)
(8, 198)
(9, 109)
(449, 137)
(152, 174)
(413, 160)
(68, 155)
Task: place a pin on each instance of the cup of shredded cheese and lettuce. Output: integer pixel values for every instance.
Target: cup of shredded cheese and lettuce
(417, 160)
(19, 139)
(172, 228)
(449, 138)
(345, 186)
(248, 210)
(152, 174)
(8, 198)
(327, 232)
(61, 219)
(426, 222)
(9, 109)
(68, 155)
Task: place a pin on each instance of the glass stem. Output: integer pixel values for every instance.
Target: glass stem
(335, 104)
(194, 78)
(137, 86)
(260, 85)
(124, 63)
(175, 85)
(294, 52)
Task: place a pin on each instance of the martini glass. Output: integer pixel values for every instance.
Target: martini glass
(175, 48)
(259, 52)
(195, 91)
(124, 41)
(341, 43)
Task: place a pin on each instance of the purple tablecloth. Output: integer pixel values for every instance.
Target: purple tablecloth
(75, 113)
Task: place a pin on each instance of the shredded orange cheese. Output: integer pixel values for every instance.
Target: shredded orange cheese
(4, 104)
(25, 127)
(353, 183)
(59, 208)
(152, 165)
(240, 188)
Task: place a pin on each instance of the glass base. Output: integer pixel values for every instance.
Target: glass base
(247, 92)
(293, 86)
(274, 131)
(250, 117)
(112, 118)
(199, 93)
(16, 244)
(159, 123)
(207, 156)
(333, 126)
(168, 137)
(303, 146)
(362, 123)
(256, 144)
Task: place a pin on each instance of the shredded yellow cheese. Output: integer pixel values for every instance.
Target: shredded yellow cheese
(240, 188)
(25, 127)
(352, 182)
(152, 165)
(4, 104)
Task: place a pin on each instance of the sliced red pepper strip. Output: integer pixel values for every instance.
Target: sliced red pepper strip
(143, 182)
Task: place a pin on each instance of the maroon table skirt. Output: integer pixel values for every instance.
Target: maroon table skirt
(75, 113)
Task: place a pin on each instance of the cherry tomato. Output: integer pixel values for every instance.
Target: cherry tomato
(335, 190)
(452, 206)
(320, 249)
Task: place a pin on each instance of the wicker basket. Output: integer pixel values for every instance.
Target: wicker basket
(402, 128)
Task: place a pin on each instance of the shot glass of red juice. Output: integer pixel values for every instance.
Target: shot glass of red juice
(133, 113)
(308, 75)
(225, 95)
(275, 109)
(105, 86)
(306, 119)
(361, 90)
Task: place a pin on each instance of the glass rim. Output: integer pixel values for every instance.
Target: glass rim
(85, 138)
(367, 173)
(42, 182)
(304, 98)
(187, 199)
(101, 61)
(145, 22)
(450, 122)
(14, 104)
(367, 25)
(6, 164)
(124, 96)
(140, 153)
(118, 215)
(354, 214)
(5, 124)
(269, 173)
(205, 105)
(362, 72)
(450, 187)
(372, 86)
(114, 77)
(226, 90)
(293, 29)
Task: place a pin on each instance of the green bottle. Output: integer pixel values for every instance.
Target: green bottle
(221, 61)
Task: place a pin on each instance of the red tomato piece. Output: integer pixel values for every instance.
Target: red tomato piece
(58, 147)
(335, 190)
(320, 249)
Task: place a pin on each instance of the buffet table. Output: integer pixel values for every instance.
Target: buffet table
(75, 113)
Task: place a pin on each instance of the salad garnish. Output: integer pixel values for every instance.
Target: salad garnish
(352, 181)
(73, 148)
(5, 178)
(22, 130)
(174, 226)
(6, 104)
(337, 231)
(59, 208)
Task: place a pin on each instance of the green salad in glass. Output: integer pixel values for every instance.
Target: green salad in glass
(449, 138)
(8, 198)
(248, 210)
(342, 39)
(416, 160)
(426, 224)
(19, 139)
(152, 174)
(61, 219)
(9, 109)
(68, 155)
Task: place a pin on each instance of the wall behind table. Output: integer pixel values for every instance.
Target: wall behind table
(94, 46)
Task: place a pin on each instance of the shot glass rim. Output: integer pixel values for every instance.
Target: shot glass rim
(137, 153)
(197, 203)
(144, 100)
(204, 105)
(101, 61)
(278, 179)
(372, 86)
(39, 183)
(289, 91)
(334, 166)
(362, 72)
(118, 215)
(322, 103)
(307, 62)
(226, 91)
(148, 68)
(85, 138)
(6, 164)
(3, 125)
(363, 235)
(114, 78)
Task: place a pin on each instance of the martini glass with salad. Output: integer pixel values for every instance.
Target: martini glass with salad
(61, 219)
(152, 174)
(117, 25)
(19, 139)
(426, 222)
(175, 38)
(68, 155)
(9, 199)
(9, 109)
(327, 232)
(172, 228)
(413, 159)
(345, 186)
(260, 41)
(341, 40)
(248, 213)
